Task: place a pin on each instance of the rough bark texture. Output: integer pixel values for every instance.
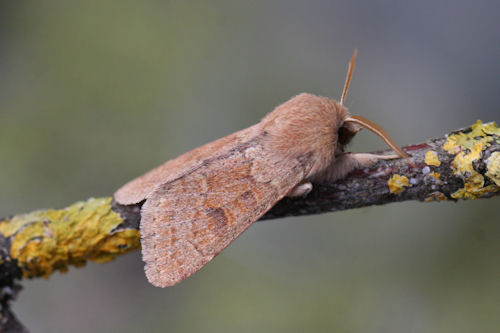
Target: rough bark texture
(464, 164)
(370, 186)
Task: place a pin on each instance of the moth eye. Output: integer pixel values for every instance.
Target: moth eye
(345, 135)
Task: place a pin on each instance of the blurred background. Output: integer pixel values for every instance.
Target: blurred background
(94, 93)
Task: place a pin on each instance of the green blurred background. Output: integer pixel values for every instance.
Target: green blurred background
(94, 93)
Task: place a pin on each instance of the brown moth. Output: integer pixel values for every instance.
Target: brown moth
(198, 203)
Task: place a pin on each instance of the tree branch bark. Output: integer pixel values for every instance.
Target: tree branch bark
(464, 164)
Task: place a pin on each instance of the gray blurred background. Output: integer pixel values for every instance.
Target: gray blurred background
(94, 93)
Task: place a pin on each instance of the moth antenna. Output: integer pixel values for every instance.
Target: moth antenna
(350, 71)
(382, 133)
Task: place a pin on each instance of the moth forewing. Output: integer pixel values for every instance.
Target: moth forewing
(139, 188)
(189, 220)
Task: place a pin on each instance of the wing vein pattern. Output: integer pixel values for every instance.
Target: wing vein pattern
(189, 220)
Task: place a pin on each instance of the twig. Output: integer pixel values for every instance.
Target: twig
(464, 164)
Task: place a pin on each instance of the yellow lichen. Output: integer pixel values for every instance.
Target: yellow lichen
(493, 165)
(49, 240)
(436, 175)
(468, 148)
(432, 158)
(451, 145)
(463, 161)
(469, 193)
(436, 196)
(480, 129)
(398, 183)
(480, 133)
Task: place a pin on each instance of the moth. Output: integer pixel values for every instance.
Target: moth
(198, 203)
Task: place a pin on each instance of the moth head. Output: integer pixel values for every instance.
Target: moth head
(353, 124)
(347, 131)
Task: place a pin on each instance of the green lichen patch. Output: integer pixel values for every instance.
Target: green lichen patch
(49, 240)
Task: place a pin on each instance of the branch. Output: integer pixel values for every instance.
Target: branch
(464, 164)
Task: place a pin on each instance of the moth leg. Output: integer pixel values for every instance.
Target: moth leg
(348, 162)
(300, 189)
(366, 159)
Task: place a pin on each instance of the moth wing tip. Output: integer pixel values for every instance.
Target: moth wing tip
(160, 272)
(159, 280)
(158, 276)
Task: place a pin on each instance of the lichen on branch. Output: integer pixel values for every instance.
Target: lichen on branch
(44, 241)
(462, 165)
